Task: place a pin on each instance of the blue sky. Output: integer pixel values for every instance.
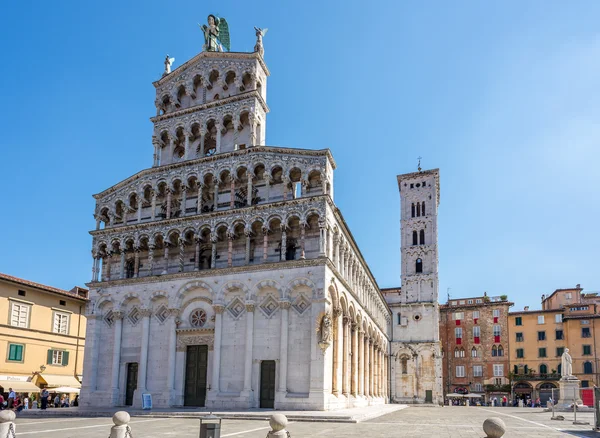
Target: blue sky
(503, 97)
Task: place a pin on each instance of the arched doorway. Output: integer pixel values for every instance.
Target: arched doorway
(545, 392)
(523, 391)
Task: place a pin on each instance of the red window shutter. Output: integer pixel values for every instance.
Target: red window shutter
(495, 319)
(458, 322)
(477, 339)
(496, 338)
(475, 320)
(458, 341)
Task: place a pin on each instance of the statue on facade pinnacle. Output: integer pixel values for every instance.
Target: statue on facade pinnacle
(168, 63)
(260, 33)
(216, 35)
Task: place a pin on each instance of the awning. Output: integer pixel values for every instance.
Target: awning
(474, 395)
(454, 395)
(55, 381)
(19, 386)
(66, 390)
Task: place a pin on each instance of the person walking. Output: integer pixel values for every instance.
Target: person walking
(11, 398)
(57, 401)
(26, 401)
(44, 397)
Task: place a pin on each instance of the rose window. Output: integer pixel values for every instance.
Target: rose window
(198, 318)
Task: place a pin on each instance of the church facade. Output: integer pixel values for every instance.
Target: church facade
(224, 275)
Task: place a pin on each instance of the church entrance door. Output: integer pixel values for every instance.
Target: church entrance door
(428, 396)
(267, 384)
(131, 386)
(195, 375)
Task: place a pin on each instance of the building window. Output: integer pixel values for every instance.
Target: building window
(498, 370)
(469, 301)
(478, 301)
(558, 318)
(404, 362)
(19, 315)
(422, 237)
(399, 318)
(62, 302)
(478, 387)
(519, 336)
(22, 293)
(543, 369)
(460, 371)
(560, 351)
(419, 266)
(477, 371)
(496, 313)
(541, 319)
(559, 335)
(476, 331)
(585, 322)
(414, 234)
(58, 357)
(520, 353)
(587, 368)
(497, 331)
(585, 383)
(587, 350)
(500, 350)
(568, 295)
(585, 332)
(475, 314)
(473, 352)
(458, 333)
(497, 351)
(61, 323)
(423, 208)
(541, 335)
(518, 320)
(15, 352)
(458, 316)
(412, 209)
(198, 318)
(541, 352)
(516, 369)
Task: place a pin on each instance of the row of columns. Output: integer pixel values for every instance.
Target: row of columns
(364, 362)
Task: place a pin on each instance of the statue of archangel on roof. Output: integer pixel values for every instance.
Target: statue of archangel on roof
(216, 35)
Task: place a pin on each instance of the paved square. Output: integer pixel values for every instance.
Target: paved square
(410, 422)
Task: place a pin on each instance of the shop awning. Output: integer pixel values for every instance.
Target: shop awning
(66, 390)
(55, 381)
(19, 386)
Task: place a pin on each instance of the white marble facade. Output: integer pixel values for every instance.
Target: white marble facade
(235, 247)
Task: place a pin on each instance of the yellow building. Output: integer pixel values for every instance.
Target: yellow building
(538, 339)
(42, 337)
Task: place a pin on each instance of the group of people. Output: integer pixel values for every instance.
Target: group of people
(20, 401)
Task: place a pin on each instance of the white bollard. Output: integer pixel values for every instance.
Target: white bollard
(278, 423)
(121, 428)
(7, 425)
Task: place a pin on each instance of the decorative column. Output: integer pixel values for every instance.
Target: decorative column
(216, 194)
(267, 179)
(321, 238)
(303, 184)
(231, 191)
(368, 366)
(345, 354)
(156, 144)
(122, 268)
(371, 368)
(218, 126)
(153, 212)
(202, 137)
(361, 362)
(171, 146)
(106, 262)
(136, 263)
(248, 234)
(265, 244)
(95, 260)
(283, 243)
(169, 197)
(197, 254)
(181, 254)
(144, 349)
(187, 136)
(116, 359)
(150, 258)
(166, 258)
(199, 200)
(213, 261)
(249, 347)
(286, 183)
(139, 206)
(183, 199)
(335, 389)
(174, 314)
(302, 241)
(217, 351)
(249, 197)
(324, 184)
(354, 374)
(252, 121)
(283, 345)
(230, 249)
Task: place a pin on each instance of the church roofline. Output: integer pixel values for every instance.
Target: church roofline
(217, 157)
(213, 55)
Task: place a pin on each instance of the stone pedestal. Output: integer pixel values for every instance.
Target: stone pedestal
(569, 393)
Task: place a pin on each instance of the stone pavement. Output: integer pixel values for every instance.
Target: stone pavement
(410, 422)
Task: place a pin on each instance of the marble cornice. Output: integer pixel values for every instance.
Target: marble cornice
(218, 157)
(213, 55)
(215, 103)
(291, 264)
(207, 217)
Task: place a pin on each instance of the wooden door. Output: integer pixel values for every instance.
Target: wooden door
(428, 396)
(267, 384)
(132, 375)
(195, 375)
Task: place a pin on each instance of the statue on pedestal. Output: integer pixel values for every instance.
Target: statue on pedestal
(216, 34)
(168, 63)
(566, 365)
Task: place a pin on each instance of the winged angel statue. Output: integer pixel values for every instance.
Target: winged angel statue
(216, 35)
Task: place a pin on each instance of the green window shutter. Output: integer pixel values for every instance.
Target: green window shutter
(18, 352)
(65, 358)
(11, 352)
(49, 361)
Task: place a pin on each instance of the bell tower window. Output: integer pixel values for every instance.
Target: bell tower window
(414, 234)
(421, 237)
(419, 266)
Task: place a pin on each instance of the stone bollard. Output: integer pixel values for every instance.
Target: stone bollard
(278, 423)
(7, 425)
(121, 428)
(494, 427)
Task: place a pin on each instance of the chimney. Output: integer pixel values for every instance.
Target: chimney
(526, 308)
(578, 286)
(543, 297)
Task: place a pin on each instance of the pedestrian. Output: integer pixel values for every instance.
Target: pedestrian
(1, 402)
(26, 402)
(76, 401)
(504, 401)
(44, 397)
(19, 403)
(57, 401)
(11, 398)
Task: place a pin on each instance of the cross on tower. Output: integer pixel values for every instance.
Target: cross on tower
(419, 165)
